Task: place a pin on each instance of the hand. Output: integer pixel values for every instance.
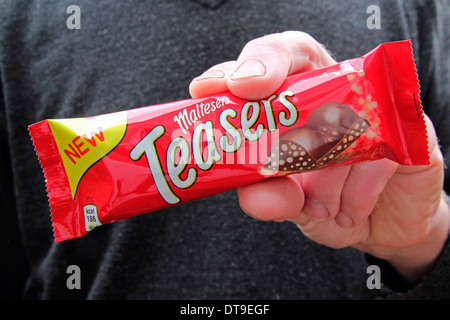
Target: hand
(401, 215)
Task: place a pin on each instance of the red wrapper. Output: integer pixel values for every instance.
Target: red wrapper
(110, 167)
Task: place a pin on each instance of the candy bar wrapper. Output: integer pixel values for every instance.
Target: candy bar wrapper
(114, 166)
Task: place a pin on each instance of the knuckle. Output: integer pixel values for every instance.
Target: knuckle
(273, 43)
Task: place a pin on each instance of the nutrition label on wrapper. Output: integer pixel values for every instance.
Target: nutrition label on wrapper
(91, 219)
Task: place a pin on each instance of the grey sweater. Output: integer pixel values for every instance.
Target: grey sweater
(129, 54)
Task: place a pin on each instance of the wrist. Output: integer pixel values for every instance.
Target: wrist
(416, 261)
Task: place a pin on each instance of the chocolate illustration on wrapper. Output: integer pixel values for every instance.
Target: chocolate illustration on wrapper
(330, 130)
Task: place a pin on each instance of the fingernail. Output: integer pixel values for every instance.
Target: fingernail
(344, 220)
(210, 74)
(250, 68)
(315, 210)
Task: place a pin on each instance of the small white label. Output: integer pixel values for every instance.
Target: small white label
(91, 219)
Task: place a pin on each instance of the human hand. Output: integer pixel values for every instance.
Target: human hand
(400, 216)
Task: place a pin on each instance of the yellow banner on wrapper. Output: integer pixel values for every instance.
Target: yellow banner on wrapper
(82, 142)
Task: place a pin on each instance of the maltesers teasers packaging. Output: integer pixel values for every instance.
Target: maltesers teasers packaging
(110, 167)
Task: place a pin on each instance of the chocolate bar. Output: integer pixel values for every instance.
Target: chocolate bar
(110, 167)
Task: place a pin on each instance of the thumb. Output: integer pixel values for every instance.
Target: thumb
(265, 62)
(263, 65)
